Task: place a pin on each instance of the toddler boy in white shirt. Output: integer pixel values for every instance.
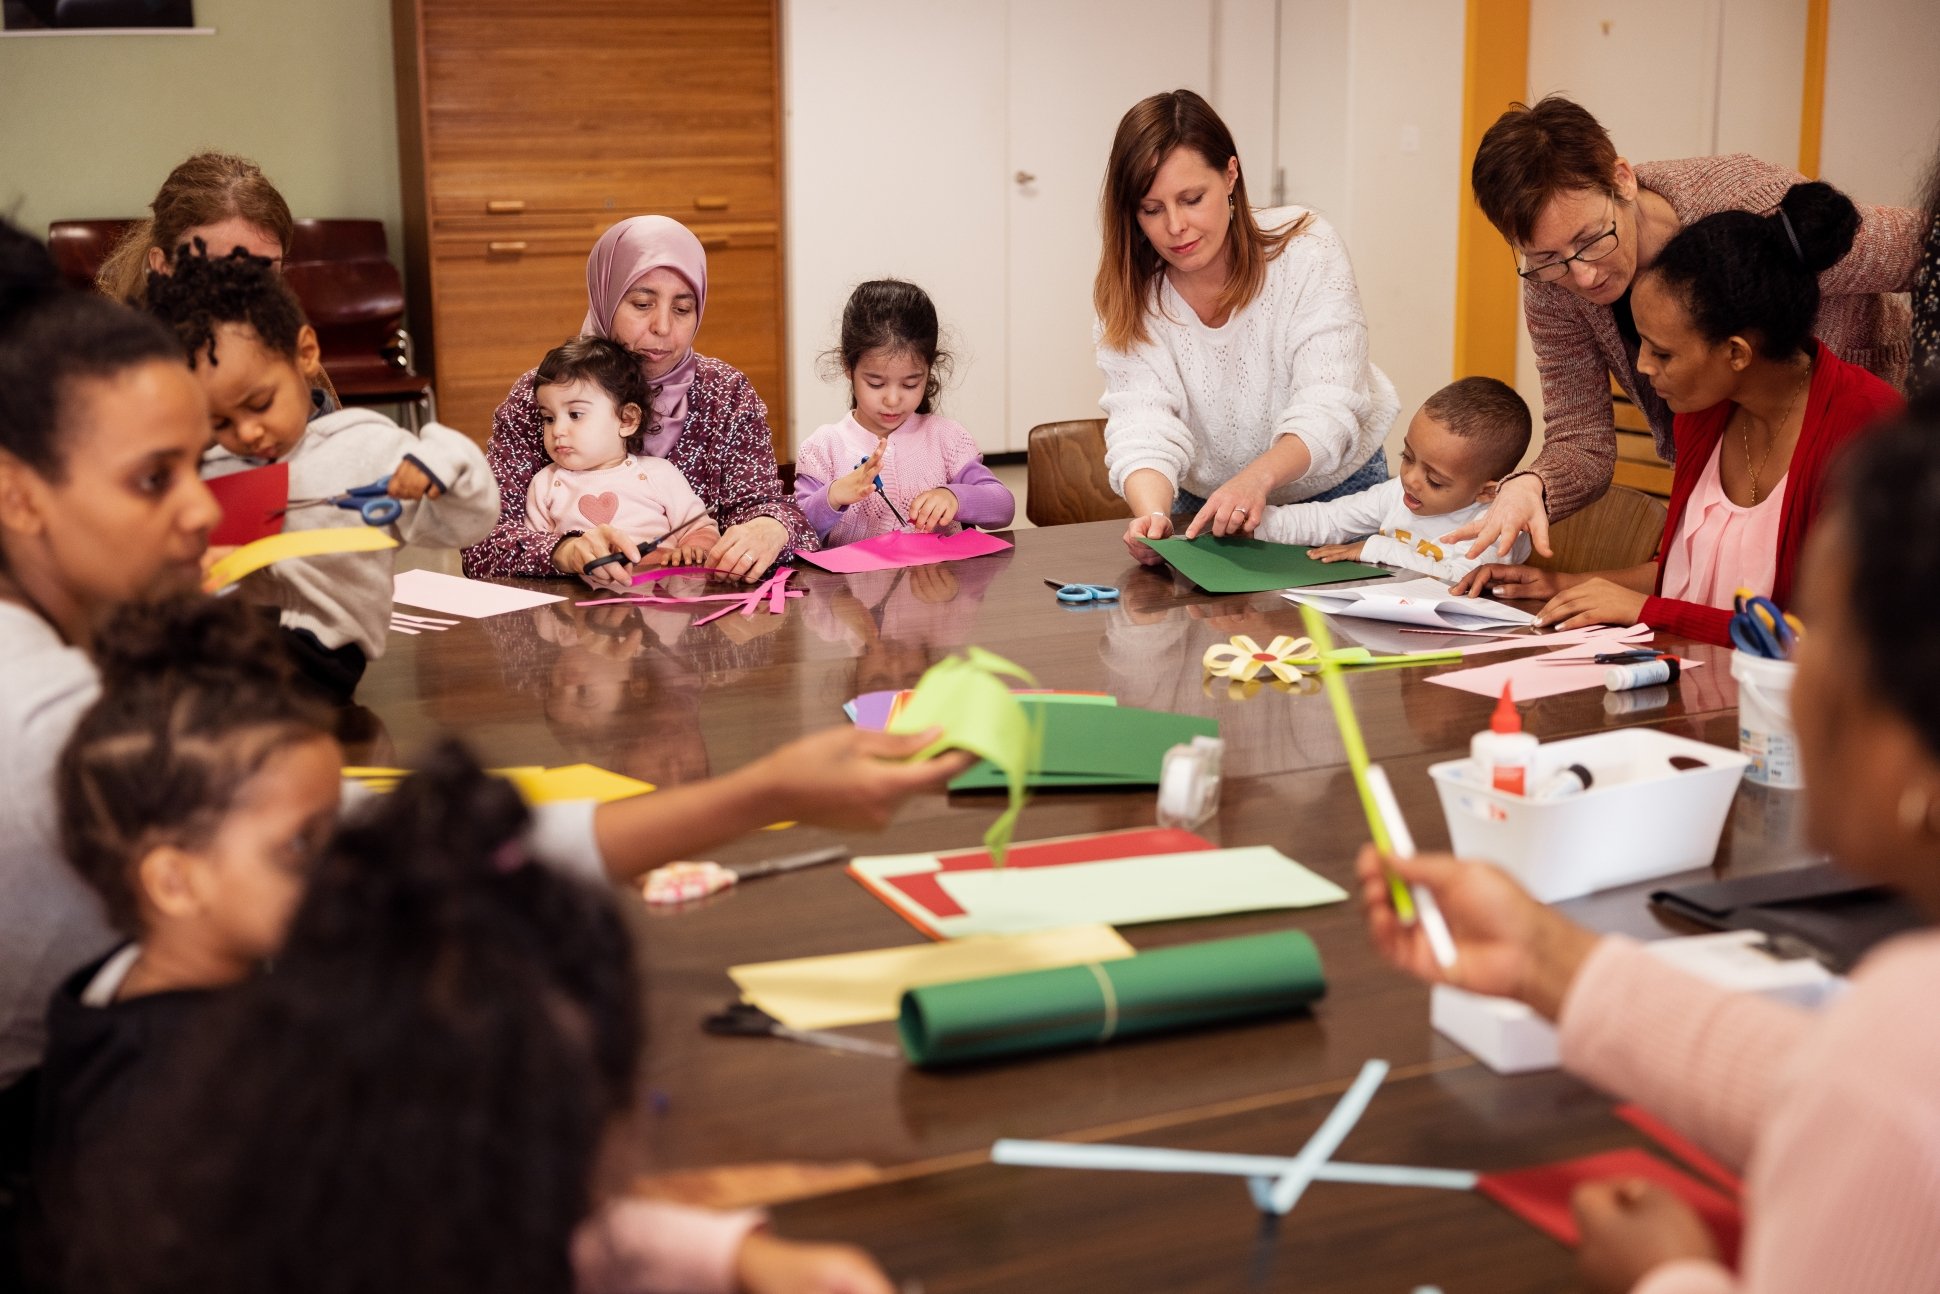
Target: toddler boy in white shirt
(1463, 442)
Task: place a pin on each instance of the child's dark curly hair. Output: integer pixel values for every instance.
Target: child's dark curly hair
(897, 316)
(608, 365)
(414, 1097)
(196, 696)
(204, 292)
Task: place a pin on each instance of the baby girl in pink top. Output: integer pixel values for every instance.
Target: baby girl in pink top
(591, 398)
(892, 462)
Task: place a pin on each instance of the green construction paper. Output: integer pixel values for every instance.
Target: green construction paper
(1236, 564)
(1089, 745)
(1077, 1006)
(966, 696)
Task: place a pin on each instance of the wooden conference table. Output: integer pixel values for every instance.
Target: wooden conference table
(638, 692)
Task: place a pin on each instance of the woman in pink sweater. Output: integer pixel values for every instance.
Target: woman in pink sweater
(1835, 1116)
(1584, 223)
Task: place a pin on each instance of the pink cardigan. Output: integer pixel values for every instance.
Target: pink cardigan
(1836, 1115)
(1578, 347)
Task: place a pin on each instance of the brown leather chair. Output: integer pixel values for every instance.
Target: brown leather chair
(342, 273)
(1066, 481)
(81, 247)
(1623, 528)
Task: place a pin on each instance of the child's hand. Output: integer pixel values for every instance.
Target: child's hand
(850, 777)
(847, 491)
(767, 1264)
(409, 481)
(933, 509)
(692, 550)
(570, 557)
(1631, 1228)
(1593, 602)
(1337, 552)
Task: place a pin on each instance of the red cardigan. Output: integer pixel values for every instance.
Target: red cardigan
(1844, 401)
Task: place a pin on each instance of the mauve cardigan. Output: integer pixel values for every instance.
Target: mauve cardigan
(1578, 346)
(1844, 400)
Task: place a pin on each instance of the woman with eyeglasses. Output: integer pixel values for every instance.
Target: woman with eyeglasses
(1583, 224)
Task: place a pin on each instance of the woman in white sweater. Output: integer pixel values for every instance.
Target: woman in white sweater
(1232, 342)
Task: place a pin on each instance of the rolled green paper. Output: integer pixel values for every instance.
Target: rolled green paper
(1076, 1006)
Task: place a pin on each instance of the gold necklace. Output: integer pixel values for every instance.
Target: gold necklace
(1744, 429)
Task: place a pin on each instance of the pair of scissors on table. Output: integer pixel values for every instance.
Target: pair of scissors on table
(745, 1020)
(1759, 628)
(373, 501)
(901, 520)
(1074, 595)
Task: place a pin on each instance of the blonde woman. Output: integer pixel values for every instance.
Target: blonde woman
(1232, 341)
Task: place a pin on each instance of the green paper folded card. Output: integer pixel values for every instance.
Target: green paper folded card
(1094, 745)
(1077, 1006)
(1236, 564)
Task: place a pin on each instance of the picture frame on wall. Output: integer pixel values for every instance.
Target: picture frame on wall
(74, 17)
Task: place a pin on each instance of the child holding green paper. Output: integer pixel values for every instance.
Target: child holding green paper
(1463, 442)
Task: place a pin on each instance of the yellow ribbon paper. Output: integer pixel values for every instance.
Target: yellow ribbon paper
(1243, 659)
(267, 551)
(967, 698)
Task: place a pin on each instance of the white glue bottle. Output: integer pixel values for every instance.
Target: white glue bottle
(1505, 753)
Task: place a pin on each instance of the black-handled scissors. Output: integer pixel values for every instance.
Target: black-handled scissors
(620, 558)
(746, 1020)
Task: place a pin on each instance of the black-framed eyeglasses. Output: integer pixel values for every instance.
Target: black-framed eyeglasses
(1594, 250)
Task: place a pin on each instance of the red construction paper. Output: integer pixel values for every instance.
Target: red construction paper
(1680, 1148)
(1540, 1196)
(925, 889)
(252, 504)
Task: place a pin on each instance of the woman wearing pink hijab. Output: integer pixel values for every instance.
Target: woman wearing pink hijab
(646, 288)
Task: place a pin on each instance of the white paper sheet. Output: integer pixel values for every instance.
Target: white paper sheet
(458, 596)
(1413, 602)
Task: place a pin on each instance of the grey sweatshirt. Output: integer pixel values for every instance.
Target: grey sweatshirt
(346, 597)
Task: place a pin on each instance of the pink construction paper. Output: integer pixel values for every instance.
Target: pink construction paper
(1534, 676)
(1605, 637)
(903, 548)
(662, 572)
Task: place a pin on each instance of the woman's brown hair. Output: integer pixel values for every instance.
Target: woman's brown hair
(1534, 152)
(207, 189)
(1146, 137)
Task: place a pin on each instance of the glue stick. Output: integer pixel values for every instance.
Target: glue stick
(1504, 751)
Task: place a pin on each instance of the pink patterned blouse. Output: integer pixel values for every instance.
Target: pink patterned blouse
(724, 451)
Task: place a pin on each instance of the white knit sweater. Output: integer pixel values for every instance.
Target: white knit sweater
(1196, 404)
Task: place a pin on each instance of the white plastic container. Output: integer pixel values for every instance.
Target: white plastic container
(1641, 818)
(1765, 719)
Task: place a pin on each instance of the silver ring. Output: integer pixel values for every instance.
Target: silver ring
(1239, 512)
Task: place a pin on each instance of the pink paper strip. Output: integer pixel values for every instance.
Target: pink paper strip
(902, 548)
(1536, 676)
(662, 572)
(1603, 637)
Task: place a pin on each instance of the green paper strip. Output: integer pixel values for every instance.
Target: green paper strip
(1236, 564)
(1077, 1006)
(967, 698)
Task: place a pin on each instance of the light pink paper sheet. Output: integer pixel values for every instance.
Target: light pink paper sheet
(903, 548)
(1534, 677)
(457, 596)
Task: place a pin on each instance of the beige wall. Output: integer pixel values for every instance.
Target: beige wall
(91, 125)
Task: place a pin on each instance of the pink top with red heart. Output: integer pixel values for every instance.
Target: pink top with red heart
(644, 498)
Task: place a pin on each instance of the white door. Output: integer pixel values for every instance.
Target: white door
(1075, 67)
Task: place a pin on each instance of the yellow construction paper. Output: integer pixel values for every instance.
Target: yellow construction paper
(271, 549)
(967, 698)
(867, 987)
(573, 782)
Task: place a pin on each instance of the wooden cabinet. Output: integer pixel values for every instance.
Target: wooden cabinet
(526, 129)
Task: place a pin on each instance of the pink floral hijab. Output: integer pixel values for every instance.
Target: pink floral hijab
(624, 255)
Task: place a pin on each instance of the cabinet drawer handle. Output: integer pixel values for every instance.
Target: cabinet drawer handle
(710, 204)
(505, 206)
(505, 248)
(714, 243)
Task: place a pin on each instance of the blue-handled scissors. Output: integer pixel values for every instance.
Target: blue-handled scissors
(1759, 628)
(373, 501)
(1080, 594)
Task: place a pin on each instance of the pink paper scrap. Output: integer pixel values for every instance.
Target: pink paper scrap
(1605, 638)
(662, 572)
(904, 548)
(1534, 677)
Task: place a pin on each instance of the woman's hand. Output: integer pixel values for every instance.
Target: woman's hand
(1235, 508)
(1506, 943)
(743, 552)
(1518, 507)
(1154, 525)
(692, 550)
(1337, 552)
(1631, 1228)
(850, 489)
(1594, 601)
(570, 557)
(933, 509)
(767, 1264)
(1498, 581)
(851, 777)
(409, 481)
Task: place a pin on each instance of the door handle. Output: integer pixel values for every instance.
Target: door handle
(505, 206)
(509, 247)
(1025, 177)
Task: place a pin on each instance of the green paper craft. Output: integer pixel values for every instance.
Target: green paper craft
(967, 698)
(1236, 564)
(1077, 1006)
(1095, 745)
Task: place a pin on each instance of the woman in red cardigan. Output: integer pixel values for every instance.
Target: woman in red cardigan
(1725, 320)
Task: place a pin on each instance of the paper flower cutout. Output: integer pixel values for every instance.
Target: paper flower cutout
(1243, 659)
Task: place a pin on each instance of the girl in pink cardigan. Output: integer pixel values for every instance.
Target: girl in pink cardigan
(1834, 1116)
